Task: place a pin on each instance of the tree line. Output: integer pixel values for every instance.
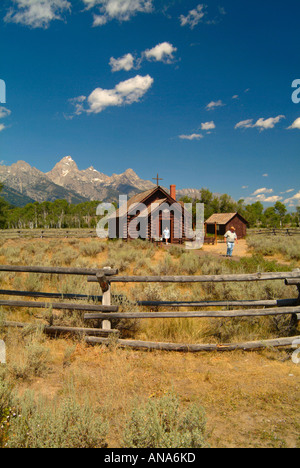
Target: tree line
(256, 214)
(49, 215)
(62, 215)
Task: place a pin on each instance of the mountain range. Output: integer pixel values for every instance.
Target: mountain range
(25, 184)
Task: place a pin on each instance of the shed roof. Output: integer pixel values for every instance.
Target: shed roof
(221, 218)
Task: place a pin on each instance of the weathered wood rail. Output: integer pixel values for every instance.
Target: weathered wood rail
(106, 312)
(275, 232)
(55, 270)
(50, 233)
(202, 279)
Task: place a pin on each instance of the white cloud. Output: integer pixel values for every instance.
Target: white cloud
(37, 13)
(121, 10)
(295, 125)
(236, 96)
(208, 126)
(199, 15)
(287, 191)
(262, 198)
(194, 136)
(194, 17)
(133, 89)
(91, 3)
(100, 98)
(264, 124)
(294, 199)
(125, 93)
(4, 112)
(273, 199)
(214, 104)
(244, 124)
(99, 20)
(261, 124)
(163, 52)
(78, 103)
(262, 190)
(265, 175)
(123, 63)
(2, 127)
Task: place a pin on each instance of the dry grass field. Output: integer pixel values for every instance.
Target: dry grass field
(250, 399)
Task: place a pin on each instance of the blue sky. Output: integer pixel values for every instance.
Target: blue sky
(201, 93)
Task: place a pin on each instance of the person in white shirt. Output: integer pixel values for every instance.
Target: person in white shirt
(166, 234)
(230, 238)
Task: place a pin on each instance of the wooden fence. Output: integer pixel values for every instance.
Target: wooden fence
(106, 312)
(275, 232)
(85, 233)
(48, 233)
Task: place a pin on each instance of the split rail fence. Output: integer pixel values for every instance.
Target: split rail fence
(275, 232)
(50, 233)
(104, 312)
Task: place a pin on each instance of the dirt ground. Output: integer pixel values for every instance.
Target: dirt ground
(240, 249)
(251, 399)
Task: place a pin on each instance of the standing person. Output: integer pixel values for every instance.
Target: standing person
(230, 238)
(166, 234)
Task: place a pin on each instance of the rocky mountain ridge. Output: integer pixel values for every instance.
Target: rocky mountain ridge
(24, 183)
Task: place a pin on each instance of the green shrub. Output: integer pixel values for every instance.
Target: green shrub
(40, 424)
(289, 247)
(32, 283)
(92, 249)
(34, 359)
(176, 251)
(189, 264)
(5, 409)
(165, 267)
(161, 424)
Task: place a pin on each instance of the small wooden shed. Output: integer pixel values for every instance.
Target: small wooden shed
(220, 223)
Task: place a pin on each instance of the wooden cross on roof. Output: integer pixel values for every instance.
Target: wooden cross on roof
(157, 179)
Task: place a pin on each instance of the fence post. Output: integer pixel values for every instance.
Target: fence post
(2, 352)
(216, 233)
(106, 299)
(296, 317)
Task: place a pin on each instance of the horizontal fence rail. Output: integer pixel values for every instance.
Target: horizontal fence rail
(201, 279)
(48, 233)
(242, 303)
(58, 306)
(195, 314)
(57, 271)
(56, 330)
(196, 348)
(9, 292)
(275, 232)
(106, 312)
